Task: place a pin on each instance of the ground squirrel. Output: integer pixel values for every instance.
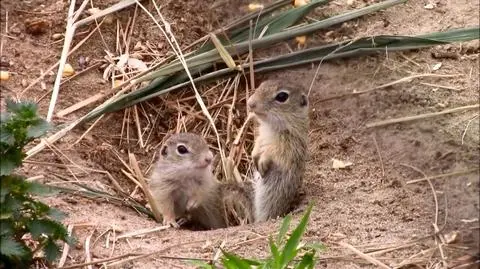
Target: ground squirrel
(280, 149)
(183, 185)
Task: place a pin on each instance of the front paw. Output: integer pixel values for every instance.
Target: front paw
(170, 222)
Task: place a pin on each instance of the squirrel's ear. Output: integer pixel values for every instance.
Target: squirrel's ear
(304, 100)
(164, 151)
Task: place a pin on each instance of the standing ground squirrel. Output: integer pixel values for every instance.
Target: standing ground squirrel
(183, 184)
(280, 149)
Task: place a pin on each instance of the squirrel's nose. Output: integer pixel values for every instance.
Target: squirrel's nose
(208, 158)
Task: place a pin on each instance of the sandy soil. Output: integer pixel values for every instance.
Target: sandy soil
(369, 205)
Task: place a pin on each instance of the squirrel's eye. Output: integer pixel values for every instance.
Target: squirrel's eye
(164, 151)
(281, 97)
(182, 150)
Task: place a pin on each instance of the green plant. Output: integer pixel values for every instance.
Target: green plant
(285, 251)
(27, 226)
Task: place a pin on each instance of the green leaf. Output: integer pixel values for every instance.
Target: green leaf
(11, 105)
(11, 248)
(11, 205)
(4, 190)
(4, 117)
(26, 109)
(6, 137)
(284, 228)
(229, 264)
(40, 189)
(237, 262)
(11, 159)
(290, 250)
(307, 261)
(6, 227)
(56, 214)
(51, 250)
(315, 246)
(38, 129)
(7, 166)
(275, 253)
(46, 227)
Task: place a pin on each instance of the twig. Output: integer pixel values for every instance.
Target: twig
(443, 175)
(98, 261)
(466, 127)
(177, 50)
(321, 62)
(439, 237)
(435, 224)
(81, 72)
(88, 130)
(402, 80)
(250, 58)
(143, 231)
(155, 252)
(242, 129)
(421, 116)
(441, 86)
(364, 256)
(139, 128)
(148, 194)
(379, 155)
(79, 105)
(431, 187)
(66, 248)
(35, 178)
(69, 33)
(88, 256)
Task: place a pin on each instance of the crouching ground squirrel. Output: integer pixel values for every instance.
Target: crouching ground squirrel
(280, 150)
(183, 185)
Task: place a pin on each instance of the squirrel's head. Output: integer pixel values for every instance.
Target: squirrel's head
(187, 151)
(279, 104)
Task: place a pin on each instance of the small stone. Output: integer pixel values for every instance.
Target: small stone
(57, 36)
(68, 70)
(429, 6)
(4, 75)
(436, 66)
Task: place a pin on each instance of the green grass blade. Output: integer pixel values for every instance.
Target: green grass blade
(242, 47)
(235, 262)
(307, 261)
(275, 252)
(278, 22)
(291, 247)
(284, 228)
(242, 24)
(363, 46)
(315, 246)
